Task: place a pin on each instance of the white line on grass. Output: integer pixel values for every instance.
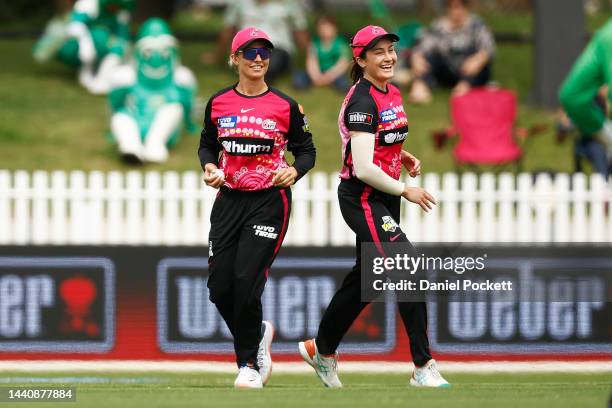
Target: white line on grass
(292, 367)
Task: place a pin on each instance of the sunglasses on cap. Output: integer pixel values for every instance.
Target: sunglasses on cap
(251, 53)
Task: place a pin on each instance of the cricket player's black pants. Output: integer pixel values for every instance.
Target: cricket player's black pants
(363, 209)
(247, 229)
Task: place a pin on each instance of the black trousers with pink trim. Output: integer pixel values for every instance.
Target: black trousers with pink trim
(247, 230)
(363, 209)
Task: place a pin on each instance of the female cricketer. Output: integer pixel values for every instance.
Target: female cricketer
(246, 129)
(373, 127)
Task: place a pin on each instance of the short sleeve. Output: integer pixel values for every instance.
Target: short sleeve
(361, 114)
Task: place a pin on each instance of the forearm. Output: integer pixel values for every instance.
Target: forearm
(362, 149)
(208, 155)
(304, 161)
(481, 58)
(338, 69)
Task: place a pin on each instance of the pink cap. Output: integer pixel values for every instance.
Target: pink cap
(367, 37)
(246, 36)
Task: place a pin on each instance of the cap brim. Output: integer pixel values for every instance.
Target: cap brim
(248, 43)
(374, 41)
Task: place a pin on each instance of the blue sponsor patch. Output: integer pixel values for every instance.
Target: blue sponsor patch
(388, 115)
(227, 122)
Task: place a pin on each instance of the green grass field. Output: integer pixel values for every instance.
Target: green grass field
(301, 390)
(49, 122)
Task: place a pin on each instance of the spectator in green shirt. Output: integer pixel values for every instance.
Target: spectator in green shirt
(327, 59)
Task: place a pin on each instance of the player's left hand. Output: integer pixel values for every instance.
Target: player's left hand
(284, 177)
(411, 163)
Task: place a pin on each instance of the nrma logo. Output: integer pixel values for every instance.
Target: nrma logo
(247, 146)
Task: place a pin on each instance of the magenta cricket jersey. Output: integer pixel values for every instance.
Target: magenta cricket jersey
(368, 109)
(251, 133)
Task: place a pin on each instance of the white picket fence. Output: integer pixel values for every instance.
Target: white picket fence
(174, 209)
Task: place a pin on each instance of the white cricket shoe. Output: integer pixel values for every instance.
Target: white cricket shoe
(248, 378)
(264, 358)
(428, 376)
(325, 367)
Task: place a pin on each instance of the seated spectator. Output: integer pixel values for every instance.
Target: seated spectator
(327, 59)
(278, 18)
(593, 149)
(151, 100)
(456, 51)
(94, 37)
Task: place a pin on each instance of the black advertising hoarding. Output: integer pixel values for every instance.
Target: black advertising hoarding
(559, 305)
(56, 304)
(152, 303)
(296, 295)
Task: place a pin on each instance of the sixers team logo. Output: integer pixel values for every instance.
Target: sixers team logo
(389, 224)
(376, 30)
(255, 32)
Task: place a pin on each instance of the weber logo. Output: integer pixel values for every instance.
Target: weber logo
(247, 146)
(55, 304)
(294, 300)
(388, 115)
(227, 122)
(360, 117)
(392, 137)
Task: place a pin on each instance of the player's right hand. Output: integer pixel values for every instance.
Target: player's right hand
(213, 176)
(419, 196)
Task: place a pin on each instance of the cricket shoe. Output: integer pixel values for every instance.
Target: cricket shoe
(428, 376)
(248, 377)
(264, 358)
(325, 367)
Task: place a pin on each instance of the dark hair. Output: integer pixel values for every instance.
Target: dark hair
(328, 18)
(356, 72)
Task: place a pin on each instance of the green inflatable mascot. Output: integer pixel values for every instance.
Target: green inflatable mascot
(94, 38)
(153, 99)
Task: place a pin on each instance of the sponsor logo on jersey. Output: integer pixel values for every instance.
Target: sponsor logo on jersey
(306, 126)
(247, 146)
(360, 117)
(265, 231)
(394, 136)
(389, 224)
(227, 122)
(268, 124)
(388, 115)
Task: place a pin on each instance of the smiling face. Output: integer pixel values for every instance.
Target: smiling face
(380, 60)
(251, 70)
